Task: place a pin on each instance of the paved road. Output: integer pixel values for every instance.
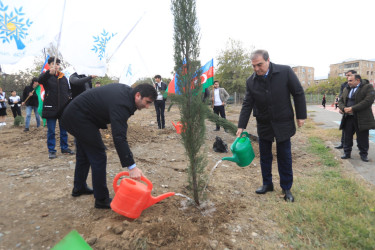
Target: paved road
(330, 118)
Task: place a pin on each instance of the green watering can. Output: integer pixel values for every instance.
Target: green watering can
(243, 153)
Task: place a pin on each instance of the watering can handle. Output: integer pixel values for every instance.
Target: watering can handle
(238, 138)
(117, 177)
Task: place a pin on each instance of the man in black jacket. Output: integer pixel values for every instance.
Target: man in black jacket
(343, 86)
(30, 99)
(268, 92)
(80, 83)
(93, 110)
(57, 96)
(160, 101)
(355, 104)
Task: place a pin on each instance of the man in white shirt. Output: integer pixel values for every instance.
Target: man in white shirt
(219, 97)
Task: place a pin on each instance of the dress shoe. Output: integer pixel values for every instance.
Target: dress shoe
(67, 151)
(78, 192)
(345, 157)
(364, 158)
(339, 146)
(52, 155)
(264, 189)
(104, 204)
(288, 196)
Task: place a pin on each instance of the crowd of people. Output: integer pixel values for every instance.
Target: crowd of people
(83, 110)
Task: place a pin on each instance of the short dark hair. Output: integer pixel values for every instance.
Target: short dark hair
(260, 52)
(35, 79)
(215, 82)
(146, 90)
(52, 59)
(158, 76)
(351, 71)
(97, 83)
(357, 77)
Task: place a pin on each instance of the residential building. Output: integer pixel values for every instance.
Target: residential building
(305, 75)
(366, 68)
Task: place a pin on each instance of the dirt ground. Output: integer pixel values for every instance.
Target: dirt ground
(37, 209)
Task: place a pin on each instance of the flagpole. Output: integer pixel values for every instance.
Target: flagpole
(144, 63)
(59, 37)
(123, 40)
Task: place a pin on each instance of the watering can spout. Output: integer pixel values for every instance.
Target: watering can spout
(233, 159)
(154, 200)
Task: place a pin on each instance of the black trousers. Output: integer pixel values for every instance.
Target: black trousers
(351, 127)
(16, 111)
(219, 110)
(284, 162)
(160, 107)
(91, 153)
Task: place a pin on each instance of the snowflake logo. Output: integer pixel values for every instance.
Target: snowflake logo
(100, 43)
(13, 26)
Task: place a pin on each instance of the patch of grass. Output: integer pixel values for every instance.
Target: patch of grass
(331, 211)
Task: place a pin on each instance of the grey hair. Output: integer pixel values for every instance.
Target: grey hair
(259, 52)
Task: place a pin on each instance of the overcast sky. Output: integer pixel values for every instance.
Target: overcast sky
(295, 32)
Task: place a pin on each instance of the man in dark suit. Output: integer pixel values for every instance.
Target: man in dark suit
(268, 92)
(356, 105)
(343, 86)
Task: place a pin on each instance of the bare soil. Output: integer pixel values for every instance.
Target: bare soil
(37, 209)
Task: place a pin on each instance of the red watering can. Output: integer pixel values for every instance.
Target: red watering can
(132, 197)
(178, 127)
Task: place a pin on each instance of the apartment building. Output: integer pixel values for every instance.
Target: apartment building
(305, 75)
(366, 68)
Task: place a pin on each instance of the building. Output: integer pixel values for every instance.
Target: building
(366, 68)
(305, 75)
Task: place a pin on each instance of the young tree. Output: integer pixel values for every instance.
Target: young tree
(189, 100)
(234, 67)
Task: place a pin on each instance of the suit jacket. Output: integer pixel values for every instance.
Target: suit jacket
(270, 100)
(364, 98)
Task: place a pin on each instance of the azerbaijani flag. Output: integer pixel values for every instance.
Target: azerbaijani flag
(207, 78)
(40, 91)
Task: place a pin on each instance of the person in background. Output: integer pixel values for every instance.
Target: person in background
(15, 104)
(268, 94)
(343, 86)
(356, 106)
(91, 111)
(336, 101)
(30, 100)
(324, 101)
(56, 98)
(160, 101)
(3, 108)
(97, 84)
(219, 97)
(80, 83)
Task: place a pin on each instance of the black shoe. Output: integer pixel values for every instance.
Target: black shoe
(217, 129)
(67, 151)
(339, 146)
(364, 158)
(345, 156)
(105, 203)
(52, 155)
(76, 192)
(26, 130)
(288, 196)
(264, 189)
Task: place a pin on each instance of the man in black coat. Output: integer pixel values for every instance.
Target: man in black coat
(356, 105)
(160, 101)
(80, 83)
(343, 86)
(268, 92)
(93, 110)
(57, 96)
